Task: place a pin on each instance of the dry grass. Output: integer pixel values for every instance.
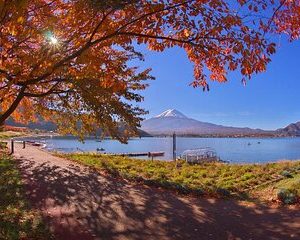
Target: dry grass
(10, 134)
(210, 179)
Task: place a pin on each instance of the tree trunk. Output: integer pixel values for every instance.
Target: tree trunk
(12, 107)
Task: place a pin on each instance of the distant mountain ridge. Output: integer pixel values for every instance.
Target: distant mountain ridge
(172, 120)
(50, 126)
(291, 130)
(40, 125)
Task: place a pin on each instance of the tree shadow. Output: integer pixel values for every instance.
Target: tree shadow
(80, 203)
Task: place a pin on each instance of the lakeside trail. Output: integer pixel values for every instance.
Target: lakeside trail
(80, 203)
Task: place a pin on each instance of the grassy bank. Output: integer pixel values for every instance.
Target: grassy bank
(17, 221)
(10, 134)
(209, 179)
(287, 190)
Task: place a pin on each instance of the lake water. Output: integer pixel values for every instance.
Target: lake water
(235, 150)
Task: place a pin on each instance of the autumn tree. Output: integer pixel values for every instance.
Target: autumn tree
(68, 60)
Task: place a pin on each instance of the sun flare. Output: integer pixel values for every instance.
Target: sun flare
(53, 40)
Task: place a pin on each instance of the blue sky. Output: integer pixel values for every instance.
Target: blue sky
(269, 101)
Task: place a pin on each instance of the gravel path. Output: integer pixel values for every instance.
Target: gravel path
(80, 203)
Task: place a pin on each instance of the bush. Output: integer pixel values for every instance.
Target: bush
(223, 192)
(286, 174)
(287, 196)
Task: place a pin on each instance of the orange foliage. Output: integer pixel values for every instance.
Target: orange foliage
(68, 60)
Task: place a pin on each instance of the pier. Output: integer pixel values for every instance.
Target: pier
(138, 154)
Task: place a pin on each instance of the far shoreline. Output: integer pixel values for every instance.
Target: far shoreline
(55, 134)
(244, 155)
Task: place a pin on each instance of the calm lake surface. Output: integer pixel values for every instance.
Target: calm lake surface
(235, 150)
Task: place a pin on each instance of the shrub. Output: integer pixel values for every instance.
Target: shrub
(223, 192)
(287, 196)
(286, 174)
(3, 145)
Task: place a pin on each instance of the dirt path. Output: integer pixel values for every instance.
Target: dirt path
(79, 203)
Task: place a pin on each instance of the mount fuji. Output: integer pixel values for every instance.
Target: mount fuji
(171, 113)
(172, 120)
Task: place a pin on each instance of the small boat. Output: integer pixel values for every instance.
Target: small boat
(156, 154)
(37, 144)
(249, 144)
(100, 149)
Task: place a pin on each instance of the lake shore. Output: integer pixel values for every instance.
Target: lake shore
(9, 135)
(234, 150)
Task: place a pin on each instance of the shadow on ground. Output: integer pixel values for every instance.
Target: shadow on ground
(80, 203)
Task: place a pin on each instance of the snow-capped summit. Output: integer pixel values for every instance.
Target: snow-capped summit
(171, 121)
(171, 113)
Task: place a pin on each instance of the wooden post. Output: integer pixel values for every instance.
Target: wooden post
(174, 146)
(23, 144)
(12, 147)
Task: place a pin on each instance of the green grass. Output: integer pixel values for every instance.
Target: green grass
(290, 187)
(211, 179)
(17, 221)
(290, 183)
(10, 134)
(3, 145)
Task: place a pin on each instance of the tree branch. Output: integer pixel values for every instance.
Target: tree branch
(52, 90)
(99, 24)
(38, 95)
(7, 75)
(184, 41)
(152, 13)
(13, 106)
(274, 15)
